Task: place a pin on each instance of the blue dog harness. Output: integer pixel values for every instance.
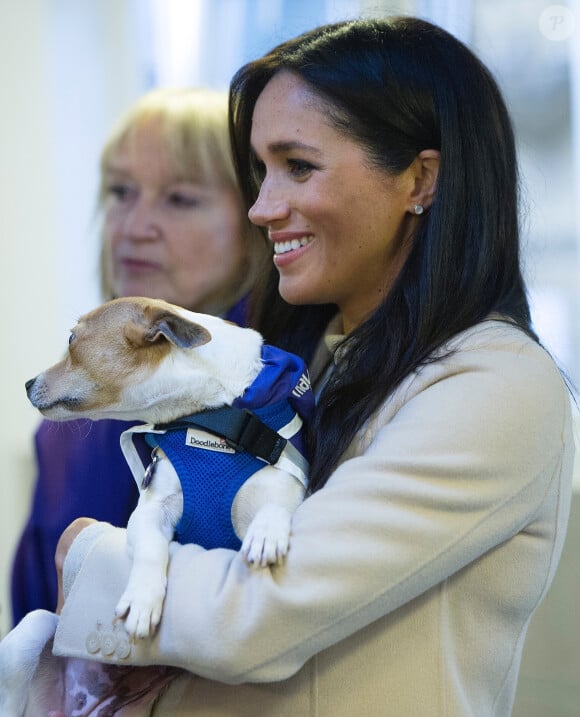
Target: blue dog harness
(215, 452)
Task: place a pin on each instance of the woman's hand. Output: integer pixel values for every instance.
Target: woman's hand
(62, 548)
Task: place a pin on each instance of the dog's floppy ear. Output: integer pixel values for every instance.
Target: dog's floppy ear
(179, 331)
(171, 327)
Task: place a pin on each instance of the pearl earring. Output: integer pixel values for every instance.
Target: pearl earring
(418, 209)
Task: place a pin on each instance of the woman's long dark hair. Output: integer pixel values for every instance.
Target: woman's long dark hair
(399, 86)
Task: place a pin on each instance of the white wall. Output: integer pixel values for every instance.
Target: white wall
(27, 230)
(68, 69)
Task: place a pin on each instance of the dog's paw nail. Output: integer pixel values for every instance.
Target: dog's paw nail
(122, 607)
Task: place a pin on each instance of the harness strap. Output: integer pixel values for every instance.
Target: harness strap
(239, 427)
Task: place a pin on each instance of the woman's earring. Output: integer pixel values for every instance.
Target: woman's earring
(418, 209)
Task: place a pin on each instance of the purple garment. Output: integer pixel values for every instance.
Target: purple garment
(81, 472)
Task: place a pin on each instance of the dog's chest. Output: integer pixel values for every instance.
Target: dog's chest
(209, 482)
(211, 474)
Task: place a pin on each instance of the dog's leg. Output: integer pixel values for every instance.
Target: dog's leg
(262, 514)
(149, 531)
(268, 537)
(20, 652)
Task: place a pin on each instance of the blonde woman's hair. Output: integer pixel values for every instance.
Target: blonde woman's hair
(194, 124)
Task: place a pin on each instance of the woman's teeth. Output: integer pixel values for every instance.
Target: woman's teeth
(283, 247)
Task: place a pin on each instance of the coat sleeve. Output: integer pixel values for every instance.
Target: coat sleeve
(459, 461)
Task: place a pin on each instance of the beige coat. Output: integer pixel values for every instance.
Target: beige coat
(412, 576)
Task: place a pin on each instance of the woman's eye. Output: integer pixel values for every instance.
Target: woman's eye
(121, 192)
(299, 168)
(181, 200)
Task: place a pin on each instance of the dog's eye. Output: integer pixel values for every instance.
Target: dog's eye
(71, 338)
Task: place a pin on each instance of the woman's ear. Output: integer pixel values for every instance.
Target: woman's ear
(426, 173)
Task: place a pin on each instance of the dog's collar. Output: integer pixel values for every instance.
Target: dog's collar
(241, 429)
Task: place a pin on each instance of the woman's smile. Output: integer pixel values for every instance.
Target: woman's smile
(289, 245)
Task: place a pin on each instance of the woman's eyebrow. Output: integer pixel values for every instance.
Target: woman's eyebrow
(290, 145)
(116, 169)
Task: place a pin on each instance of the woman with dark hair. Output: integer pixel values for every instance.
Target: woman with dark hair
(379, 158)
(398, 89)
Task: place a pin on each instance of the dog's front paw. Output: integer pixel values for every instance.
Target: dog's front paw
(267, 539)
(19, 654)
(141, 606)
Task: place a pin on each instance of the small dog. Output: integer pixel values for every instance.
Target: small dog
(147, 360)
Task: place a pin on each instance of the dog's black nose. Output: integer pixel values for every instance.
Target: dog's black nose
(29, 384)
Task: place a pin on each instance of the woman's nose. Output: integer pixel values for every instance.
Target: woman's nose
(270, 206)
(141, 221)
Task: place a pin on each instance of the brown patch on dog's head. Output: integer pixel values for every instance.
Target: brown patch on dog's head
(161, 324)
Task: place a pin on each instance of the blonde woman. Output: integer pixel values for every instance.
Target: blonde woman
(174, 228)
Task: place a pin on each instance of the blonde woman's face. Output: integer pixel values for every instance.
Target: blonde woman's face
(165, 238)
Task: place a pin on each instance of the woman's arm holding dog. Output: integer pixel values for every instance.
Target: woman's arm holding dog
(227, 621)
